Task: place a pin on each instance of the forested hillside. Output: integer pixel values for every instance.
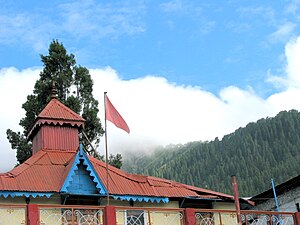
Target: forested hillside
(269, 148)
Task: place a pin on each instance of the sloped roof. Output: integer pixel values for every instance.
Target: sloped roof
(56, 110)
(58, 114)
(51, 171)
(122, 183)
(73, 185)
(47, 170)
(280, 189)
(43, 172)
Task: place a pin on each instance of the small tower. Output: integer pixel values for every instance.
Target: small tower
(56, 127)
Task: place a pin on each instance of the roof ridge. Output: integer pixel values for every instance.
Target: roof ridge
(67, 108)
(59, 104)
(208, 191)
(120, 172)
(161, 179)
(27, 164)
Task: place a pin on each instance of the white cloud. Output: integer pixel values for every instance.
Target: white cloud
(99, 20)
(14, 87)
(12, 26)
(283, 33)
(261, 12)
(291, 79)
(180, 10)
(292, 7)
(174, 6)
(158, 112)
(75, 20)
(26, 28)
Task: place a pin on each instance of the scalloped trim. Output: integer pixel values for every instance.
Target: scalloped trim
(89, 167)
(140, 198)
(13, 194)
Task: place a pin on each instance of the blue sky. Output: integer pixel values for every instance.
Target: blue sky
(210, 44)
(177, 71)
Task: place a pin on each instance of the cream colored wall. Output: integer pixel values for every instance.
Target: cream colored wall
(171, 204)
(224, 205)
(10, 200)
(157, 217)
(51, 216)
(55, 199)
(227, 218)
(11, 215)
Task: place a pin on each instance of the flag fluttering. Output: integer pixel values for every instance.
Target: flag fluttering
(114, 116)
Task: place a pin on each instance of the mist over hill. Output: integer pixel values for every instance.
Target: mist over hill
(261, 151)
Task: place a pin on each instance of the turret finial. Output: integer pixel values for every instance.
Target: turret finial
(53, 91)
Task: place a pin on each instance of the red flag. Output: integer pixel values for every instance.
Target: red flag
(114, 116)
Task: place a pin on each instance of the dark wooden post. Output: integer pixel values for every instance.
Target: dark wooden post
(33, 214)
(297, 218)
(110, 215)
(190, 218)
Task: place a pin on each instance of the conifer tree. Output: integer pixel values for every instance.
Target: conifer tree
(74, 89)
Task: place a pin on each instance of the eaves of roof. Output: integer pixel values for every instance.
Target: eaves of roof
(122, 183)
(47, 170)
(43, 172)
(280, 189)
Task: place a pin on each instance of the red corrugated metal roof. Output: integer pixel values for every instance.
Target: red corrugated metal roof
(122, 183)
(56, 110)
(47, 170)
(42, 172)
(58, 114)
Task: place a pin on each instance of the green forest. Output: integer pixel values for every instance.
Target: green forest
(261, 151)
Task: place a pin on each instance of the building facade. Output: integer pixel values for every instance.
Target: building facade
(62, 184)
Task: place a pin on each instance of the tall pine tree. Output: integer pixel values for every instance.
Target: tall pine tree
(74, 88)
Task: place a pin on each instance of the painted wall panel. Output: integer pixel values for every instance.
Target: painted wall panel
(56, 138)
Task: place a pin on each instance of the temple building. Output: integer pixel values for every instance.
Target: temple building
(62, 184)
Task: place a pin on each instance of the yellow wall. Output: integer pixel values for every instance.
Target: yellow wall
(172, 204)
(55, 199)
(58, 215)
(12, 215)
(227, 218)
(156, 217)
(10, 200)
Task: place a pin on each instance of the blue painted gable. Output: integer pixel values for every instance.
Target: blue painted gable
(82, 178)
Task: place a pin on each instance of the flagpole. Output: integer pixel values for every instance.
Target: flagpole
(106, 151)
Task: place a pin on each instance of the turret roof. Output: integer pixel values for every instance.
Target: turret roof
(57, 113)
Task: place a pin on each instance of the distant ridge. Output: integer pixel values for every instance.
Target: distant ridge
(266, 149)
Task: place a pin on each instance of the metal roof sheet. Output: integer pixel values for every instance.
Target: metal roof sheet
(43, 172)
(122, 183)
(56, 110)
(280, 188)
(58, 114)
(47, 170)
